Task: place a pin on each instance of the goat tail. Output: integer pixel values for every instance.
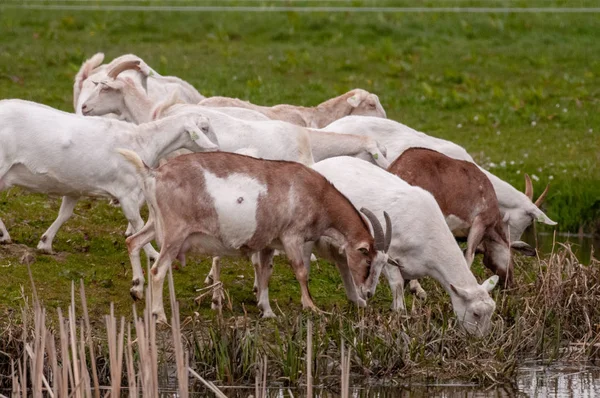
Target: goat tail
(142, 169)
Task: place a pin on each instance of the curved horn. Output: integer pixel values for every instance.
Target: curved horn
(123, 66)
(388, 232)
(542, 197)
(377, 229)
(528, 187)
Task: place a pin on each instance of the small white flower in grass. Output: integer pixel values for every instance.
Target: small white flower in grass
(534, 177)
(525, 155)
(564, 170)
(551, 177)
(539, 140)
(564, 110)
(539, 169)
(503, 163)
(492, 165)
(476, 117)
(459, 125)
(512, 162)
(590, 130)
(422, 98)
(498, 132)
(558, 105)
(533, 124)
(518, 171)
(234, 77)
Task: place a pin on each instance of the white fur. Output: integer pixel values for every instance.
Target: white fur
(49, 151)
(235, 199)
(517, 209)
(159, 87)
(421, 241)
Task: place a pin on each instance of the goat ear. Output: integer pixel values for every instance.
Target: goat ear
(200, 138)
(490, 283)
(543, 218)
(355, 100)
(395, 263)
(523, 248)
(460, 292)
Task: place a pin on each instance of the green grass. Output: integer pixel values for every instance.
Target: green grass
(481, 80)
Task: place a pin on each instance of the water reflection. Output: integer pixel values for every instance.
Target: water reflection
(582, 244)
(533, 380)
(560, 381)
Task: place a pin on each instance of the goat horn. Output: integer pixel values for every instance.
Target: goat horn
(377, 229)
(388, 232)
(123, 66)
(542, 197)
(528, 187)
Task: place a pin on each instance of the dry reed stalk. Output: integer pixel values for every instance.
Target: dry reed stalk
(180, 357)
(208, 384)
(86, 317)
(131, 380)
(345, 368)
(73, 333)
(115, 350)
(309, 355)
(67, 373)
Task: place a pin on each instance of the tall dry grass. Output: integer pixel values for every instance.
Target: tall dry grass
(553, 313)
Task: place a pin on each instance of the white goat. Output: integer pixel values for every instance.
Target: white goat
(421, 242)
(354, 102)
(517, 209)
(49, 151)
(249, 206)
(92, 73)
(272, 139)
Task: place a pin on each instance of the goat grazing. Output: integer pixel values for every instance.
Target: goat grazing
(354, 102)
(49, 151)
(467, 200)
(518, 211)
(228, 204)
(421, 242)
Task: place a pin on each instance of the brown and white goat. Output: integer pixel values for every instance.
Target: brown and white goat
(354, 102)
(467, 200)
(235, 205)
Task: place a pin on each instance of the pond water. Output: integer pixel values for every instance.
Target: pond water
(583, 245)
(535, 380)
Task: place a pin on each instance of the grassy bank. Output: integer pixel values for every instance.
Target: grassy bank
(519, 91)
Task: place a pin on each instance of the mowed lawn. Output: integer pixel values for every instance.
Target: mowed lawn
(519, 91)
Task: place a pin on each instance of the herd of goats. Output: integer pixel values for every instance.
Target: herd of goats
(238, 179)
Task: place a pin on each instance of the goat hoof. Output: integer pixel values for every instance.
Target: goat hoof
(161, 318)
(43, 248)
(268, 314)
(136, 294)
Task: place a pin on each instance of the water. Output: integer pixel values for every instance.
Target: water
(561, 380)
(583, 245)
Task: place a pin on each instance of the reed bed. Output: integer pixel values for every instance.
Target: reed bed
(551, 314)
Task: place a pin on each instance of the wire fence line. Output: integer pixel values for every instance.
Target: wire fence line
(312, 9)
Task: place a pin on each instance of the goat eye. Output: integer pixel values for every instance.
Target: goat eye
(476, 315)
(369, 262)
(205, 129)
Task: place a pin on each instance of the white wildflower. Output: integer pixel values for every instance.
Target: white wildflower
(564, 110)
(551, 177)
(503, 163)
(518, 171)
(459, 125)
(533, 124)
(492, 165)
(525, 155)
(590, 130)
(512, 162)
(539, 141)
(498, 132)
(534, 177)
(539, 169)
(476, 117)
(558, 105)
